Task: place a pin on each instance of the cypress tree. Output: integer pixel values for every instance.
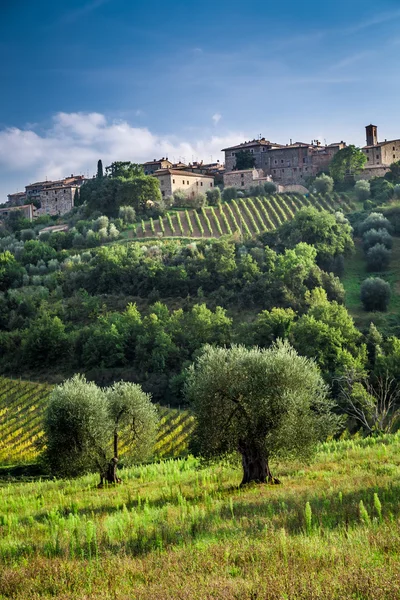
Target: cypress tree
(99, 169)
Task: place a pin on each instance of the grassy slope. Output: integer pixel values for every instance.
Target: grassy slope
(354, 275)
(21, 411)
(176, 530)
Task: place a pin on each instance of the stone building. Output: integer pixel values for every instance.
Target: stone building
(154, 165)
(17, 199)
(171, 180)
(380, 155)
(28, 210)
(289, 164)
(245, 179)
(50, 197)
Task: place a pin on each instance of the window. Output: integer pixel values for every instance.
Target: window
(304, 160)
(201, 183)
(367, 158)
(367, 151)
(183, 181)
(210, 184)
(187, 182)
(295, 169)
(377, 156)
(162, 182)
(242, 176)
(242, 182)
(163, 193)
(282, 161)
(197, 183)
(47, 193)
(275, 171)
(233, 154)
(65, 191)
(394, 156)
(394, 148)
(173, 181)
(275, 161)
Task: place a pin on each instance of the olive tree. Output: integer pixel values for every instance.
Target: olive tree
(375, 294)
(262, 404)
(362, 190)
(83, 425)
(323, 184)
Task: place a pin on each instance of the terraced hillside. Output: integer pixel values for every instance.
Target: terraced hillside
(244, 216)
(22, 405)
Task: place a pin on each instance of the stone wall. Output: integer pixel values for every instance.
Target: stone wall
(56, 201)
(242, 180)
(189, 183)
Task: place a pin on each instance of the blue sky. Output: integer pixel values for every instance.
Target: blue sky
(123, 79)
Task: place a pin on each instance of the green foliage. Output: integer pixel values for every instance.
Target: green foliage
(77, 428)
(271, 326)
(45, 342)
(262, 403)
(377, 236)
(381, 189)
(323, 184)
(99, 169)
(348, 161)
(229, 193)
(213, 196)
(362, 190)
(11, 272)
(244, 160)
(378, 257)
(126, 170)
(27, 234)
(396, 191)
(127, 214)
(269, 187)
(82, 419)
(374, 221)
(375, 294)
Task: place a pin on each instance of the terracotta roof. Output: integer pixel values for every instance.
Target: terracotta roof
(262, 142)
(379, 144)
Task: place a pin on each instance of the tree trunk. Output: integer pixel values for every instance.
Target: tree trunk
(255, 466)
(116, 444)
(110, 475)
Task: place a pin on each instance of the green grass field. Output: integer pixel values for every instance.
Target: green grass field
(355, 273)
(178, 529)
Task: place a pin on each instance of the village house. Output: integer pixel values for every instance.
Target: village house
(288, 164)
(190, 183)
(152, 166)
(28, 211)
(50, 197)
(245, 179)
(380, 155)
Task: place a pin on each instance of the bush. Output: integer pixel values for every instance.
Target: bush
(101, 223)
(369, 205)
(377, 236)
(323, 184)
(179, 198)
(269, 187)
(375, 294)
(397, 191)
(213, 196)
(375, 221)
(256, 190)
(229, 193)
(378, 258)
(127, 214)
(27, 234)
(362, 190)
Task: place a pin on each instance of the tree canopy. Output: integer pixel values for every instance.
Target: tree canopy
(348, 161)
(262, 404)
(244, 160)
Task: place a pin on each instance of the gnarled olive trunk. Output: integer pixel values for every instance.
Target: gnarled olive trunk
(255, 465)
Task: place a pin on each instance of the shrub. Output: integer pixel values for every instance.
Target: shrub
(377, 236)
(213, 196)
(362, 190)
(101, 223)
(27, 234)
(127, 214)
(256, 190)
(369, 205)
(113, 232)
(378, 258)
(323, 184)
(269, 187)
(396, 192)
(375, 221)
(229, 193)
(179, 198)
(375, 294)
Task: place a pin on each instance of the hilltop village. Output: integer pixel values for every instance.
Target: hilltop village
(289, 166)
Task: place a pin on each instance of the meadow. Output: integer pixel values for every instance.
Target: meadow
(243, 216)
(180, 529)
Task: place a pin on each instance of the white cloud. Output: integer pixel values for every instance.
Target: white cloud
(75, 141)
(216, 118)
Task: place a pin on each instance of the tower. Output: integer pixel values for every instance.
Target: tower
(372, 135)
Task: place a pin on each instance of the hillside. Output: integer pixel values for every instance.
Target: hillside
(22, 404)
(244, 216)
(180, 530)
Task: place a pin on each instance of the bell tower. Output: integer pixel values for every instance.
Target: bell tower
(372, 135)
